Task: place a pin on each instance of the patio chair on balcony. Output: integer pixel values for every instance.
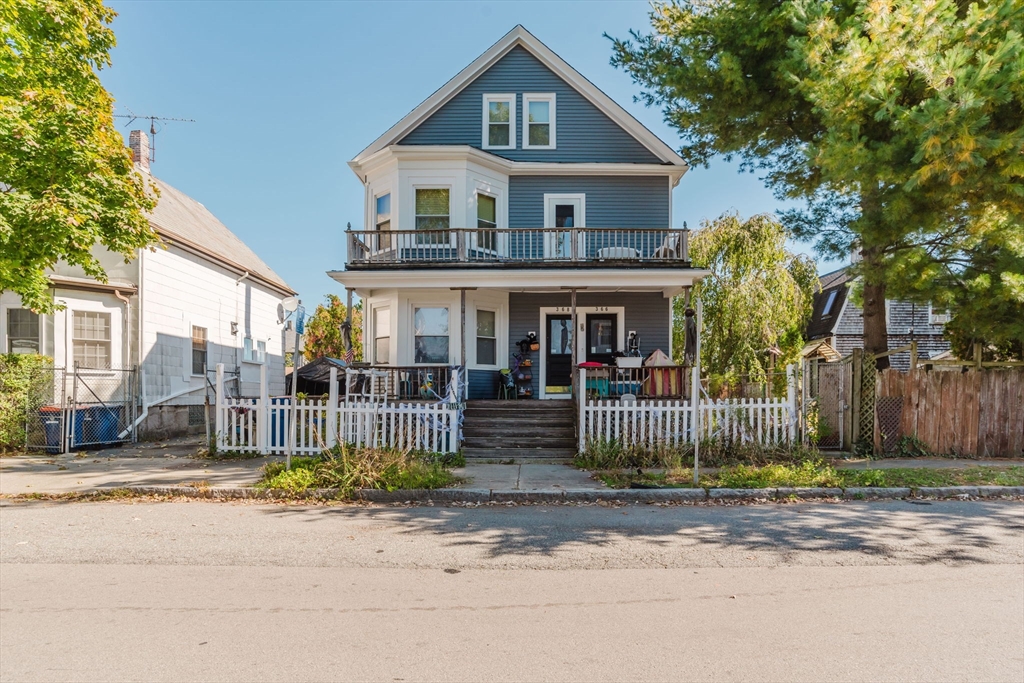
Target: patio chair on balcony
(671, 248)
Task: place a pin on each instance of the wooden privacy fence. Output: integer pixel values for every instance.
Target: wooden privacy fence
(976, 412)
(277, 426)
(653, 422)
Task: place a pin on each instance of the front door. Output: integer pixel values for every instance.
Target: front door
(562, 211)
(558, 355)
(601, 338)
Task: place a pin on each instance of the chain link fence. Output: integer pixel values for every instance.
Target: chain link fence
(78, 407)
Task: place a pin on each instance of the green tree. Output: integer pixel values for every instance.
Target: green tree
(758, 296)
(899, 124)
(323, 330)
(66, 179)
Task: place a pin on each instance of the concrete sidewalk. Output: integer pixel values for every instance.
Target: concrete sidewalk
(174, 463)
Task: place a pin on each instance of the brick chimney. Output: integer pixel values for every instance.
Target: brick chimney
(139, 142)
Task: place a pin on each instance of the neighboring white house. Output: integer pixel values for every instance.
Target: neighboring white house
(201, 298)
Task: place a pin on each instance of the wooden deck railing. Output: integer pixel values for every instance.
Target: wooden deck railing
(468, 246)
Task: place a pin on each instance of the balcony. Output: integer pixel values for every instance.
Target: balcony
(517, 247)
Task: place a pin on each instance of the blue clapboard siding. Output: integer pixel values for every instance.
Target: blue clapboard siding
(583, 133)
(612, 201)
(483, 384)
(649, 313)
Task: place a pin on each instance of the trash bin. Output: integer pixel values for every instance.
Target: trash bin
(52, 421)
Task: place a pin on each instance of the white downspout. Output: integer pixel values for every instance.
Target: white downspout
(126, 353)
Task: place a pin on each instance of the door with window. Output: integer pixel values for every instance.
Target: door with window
(558, 355)
(602, 335)
(562, 211)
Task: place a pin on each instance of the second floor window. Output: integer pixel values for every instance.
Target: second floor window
(382, 220)
(539, 121)
(91, 339)
(433, 214)
(486, 221)
(499, 122)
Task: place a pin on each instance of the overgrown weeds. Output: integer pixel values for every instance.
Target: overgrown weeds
(604, 454)
(818, 473)
(348, 468)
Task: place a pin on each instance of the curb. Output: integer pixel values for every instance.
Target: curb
(667, 495)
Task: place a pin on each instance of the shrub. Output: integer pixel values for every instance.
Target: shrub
(349, 468)
(22, 383)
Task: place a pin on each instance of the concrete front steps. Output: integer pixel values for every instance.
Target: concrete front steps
(522, 431)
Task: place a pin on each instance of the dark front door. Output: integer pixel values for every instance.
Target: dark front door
(558, 355)
(602, 337)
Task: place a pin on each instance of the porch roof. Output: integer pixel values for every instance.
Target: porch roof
(669, 282)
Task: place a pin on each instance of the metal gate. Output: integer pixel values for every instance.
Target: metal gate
(826, 413)
(81, 407)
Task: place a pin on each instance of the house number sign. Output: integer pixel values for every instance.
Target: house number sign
(590, 309)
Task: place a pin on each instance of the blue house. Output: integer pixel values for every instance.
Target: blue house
(517, 219)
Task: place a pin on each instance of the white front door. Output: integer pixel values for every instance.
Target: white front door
(563, 211)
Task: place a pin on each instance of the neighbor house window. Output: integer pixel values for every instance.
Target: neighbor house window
(198, 350)
(486, 339)
(499, 122)
(829, 303)
(248, 350)
(22, 331)
(382, 336)
(486, 220)
(382, 220)
(539, 121)
(938, 316)
(431, 335)
(433, 213)
(90, 339)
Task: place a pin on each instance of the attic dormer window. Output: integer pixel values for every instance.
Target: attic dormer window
(499, 122)
(538, 121)
(829, 303)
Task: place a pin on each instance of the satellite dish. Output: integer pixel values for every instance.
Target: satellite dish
(289, 303)
(280, 314)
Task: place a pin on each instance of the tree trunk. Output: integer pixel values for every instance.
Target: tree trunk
(876, 332)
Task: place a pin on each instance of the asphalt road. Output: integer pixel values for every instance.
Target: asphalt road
(242, 592)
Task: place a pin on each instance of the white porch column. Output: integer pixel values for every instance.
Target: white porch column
(263, 413)
(219, 410)
(791, 400)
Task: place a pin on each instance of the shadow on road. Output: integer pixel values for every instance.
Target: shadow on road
(914, 532)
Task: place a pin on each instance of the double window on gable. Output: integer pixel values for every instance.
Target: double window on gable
(499, 121)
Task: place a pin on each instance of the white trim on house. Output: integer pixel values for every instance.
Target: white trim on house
(519, 36)
(579, 340)
(529, 97)
(510, 100)
(669, 282)
(366, 167)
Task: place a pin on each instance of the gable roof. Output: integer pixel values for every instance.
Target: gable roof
(821, 325)
(180, 219)
(519, 36)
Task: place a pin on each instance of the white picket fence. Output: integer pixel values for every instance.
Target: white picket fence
(275, 426)
(768, 421)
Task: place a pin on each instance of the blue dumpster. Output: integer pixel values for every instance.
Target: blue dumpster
(108, 423)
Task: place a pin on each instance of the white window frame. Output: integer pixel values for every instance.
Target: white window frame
(413, 305)
(938, 318)
(109, 341)
(374, 336)
(539, 97)
(206, 349)
(253, 354)
(510, 99)
(476, 336)
(7, 336)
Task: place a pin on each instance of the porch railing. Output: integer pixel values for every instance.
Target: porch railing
(518, 245)
(398, 383)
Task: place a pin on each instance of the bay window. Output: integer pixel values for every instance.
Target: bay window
(486, 338)
(430, 326)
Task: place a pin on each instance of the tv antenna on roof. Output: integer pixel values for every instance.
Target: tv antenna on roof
(132, 117)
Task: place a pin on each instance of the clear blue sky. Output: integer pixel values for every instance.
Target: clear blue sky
(285, 93)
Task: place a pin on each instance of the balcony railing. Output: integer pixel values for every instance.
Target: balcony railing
(482, 246)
